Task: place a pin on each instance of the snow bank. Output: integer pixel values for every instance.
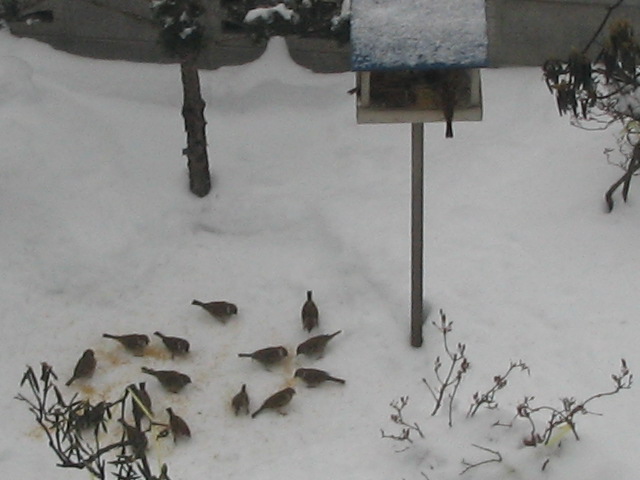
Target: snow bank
(16, 82)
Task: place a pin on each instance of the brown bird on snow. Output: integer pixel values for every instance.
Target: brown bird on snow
(178, 426)
(276, 401)
(240, 401)
(220, 310)
(267, 356)
(134, 342)
(309, 313)
(136, 439)
(169, 379)
(93, 415)
(315, 346)
(176, 345)
(314, 377)
(84, 368)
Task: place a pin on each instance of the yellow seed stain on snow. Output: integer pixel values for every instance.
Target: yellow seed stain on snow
(288, 363)
(87, 390)
(113, 357)
(157, 352)
(119, 356)
(291, 382)
(36, 432)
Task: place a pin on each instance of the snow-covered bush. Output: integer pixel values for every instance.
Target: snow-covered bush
(600, 89)
(487, 434)
(82, 434)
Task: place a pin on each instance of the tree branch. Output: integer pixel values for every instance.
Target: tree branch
(598, 31)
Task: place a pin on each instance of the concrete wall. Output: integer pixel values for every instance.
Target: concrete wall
(99, 28)
(527, 32)
(521, 32)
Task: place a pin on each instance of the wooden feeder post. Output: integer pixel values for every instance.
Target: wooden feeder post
(417, 62)
(417, 231)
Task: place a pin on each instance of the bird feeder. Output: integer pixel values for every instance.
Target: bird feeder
(418, 61)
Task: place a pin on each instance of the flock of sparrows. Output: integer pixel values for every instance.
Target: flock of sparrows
(174, 381)
(312, 347)
(171, 380)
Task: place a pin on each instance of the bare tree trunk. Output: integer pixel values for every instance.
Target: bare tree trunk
(194, 125)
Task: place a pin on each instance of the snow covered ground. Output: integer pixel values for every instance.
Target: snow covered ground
(100, 234)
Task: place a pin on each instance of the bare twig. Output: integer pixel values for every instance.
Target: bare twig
(497, 458)
(458, 367)
(499, 382)
(633, 165)
(598, 31)
(398, 419)
(565, 416)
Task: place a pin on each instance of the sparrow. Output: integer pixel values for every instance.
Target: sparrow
(448, 99)
(92, 415)
(178, 426)
(451, 89)
(315, 345)
(267, 356)
(240, 401)
(134, 342)
(136, 439)
(276, 401)
(169, 379)
(220, 310)
(140, 396)
(176, 345)
(309, 313)
(84, 368)
(314, 377)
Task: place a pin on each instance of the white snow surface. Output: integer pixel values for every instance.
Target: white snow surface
(418, 33)
(100, 234)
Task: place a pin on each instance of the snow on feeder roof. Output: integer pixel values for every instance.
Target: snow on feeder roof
(417, 34)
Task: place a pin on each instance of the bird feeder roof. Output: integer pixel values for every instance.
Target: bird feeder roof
(418, 34)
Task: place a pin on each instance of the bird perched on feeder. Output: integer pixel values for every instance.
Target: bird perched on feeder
(452, 86)
(170, 379)
(140, 402)
(220, 310)
(178, 426)
(85, 367)
(240, 401)
(448, 99)
(176, 345)
(315, 346)
(314, 377)
(309, 313)
(276, 401)
(267, 356)
(134, 342)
